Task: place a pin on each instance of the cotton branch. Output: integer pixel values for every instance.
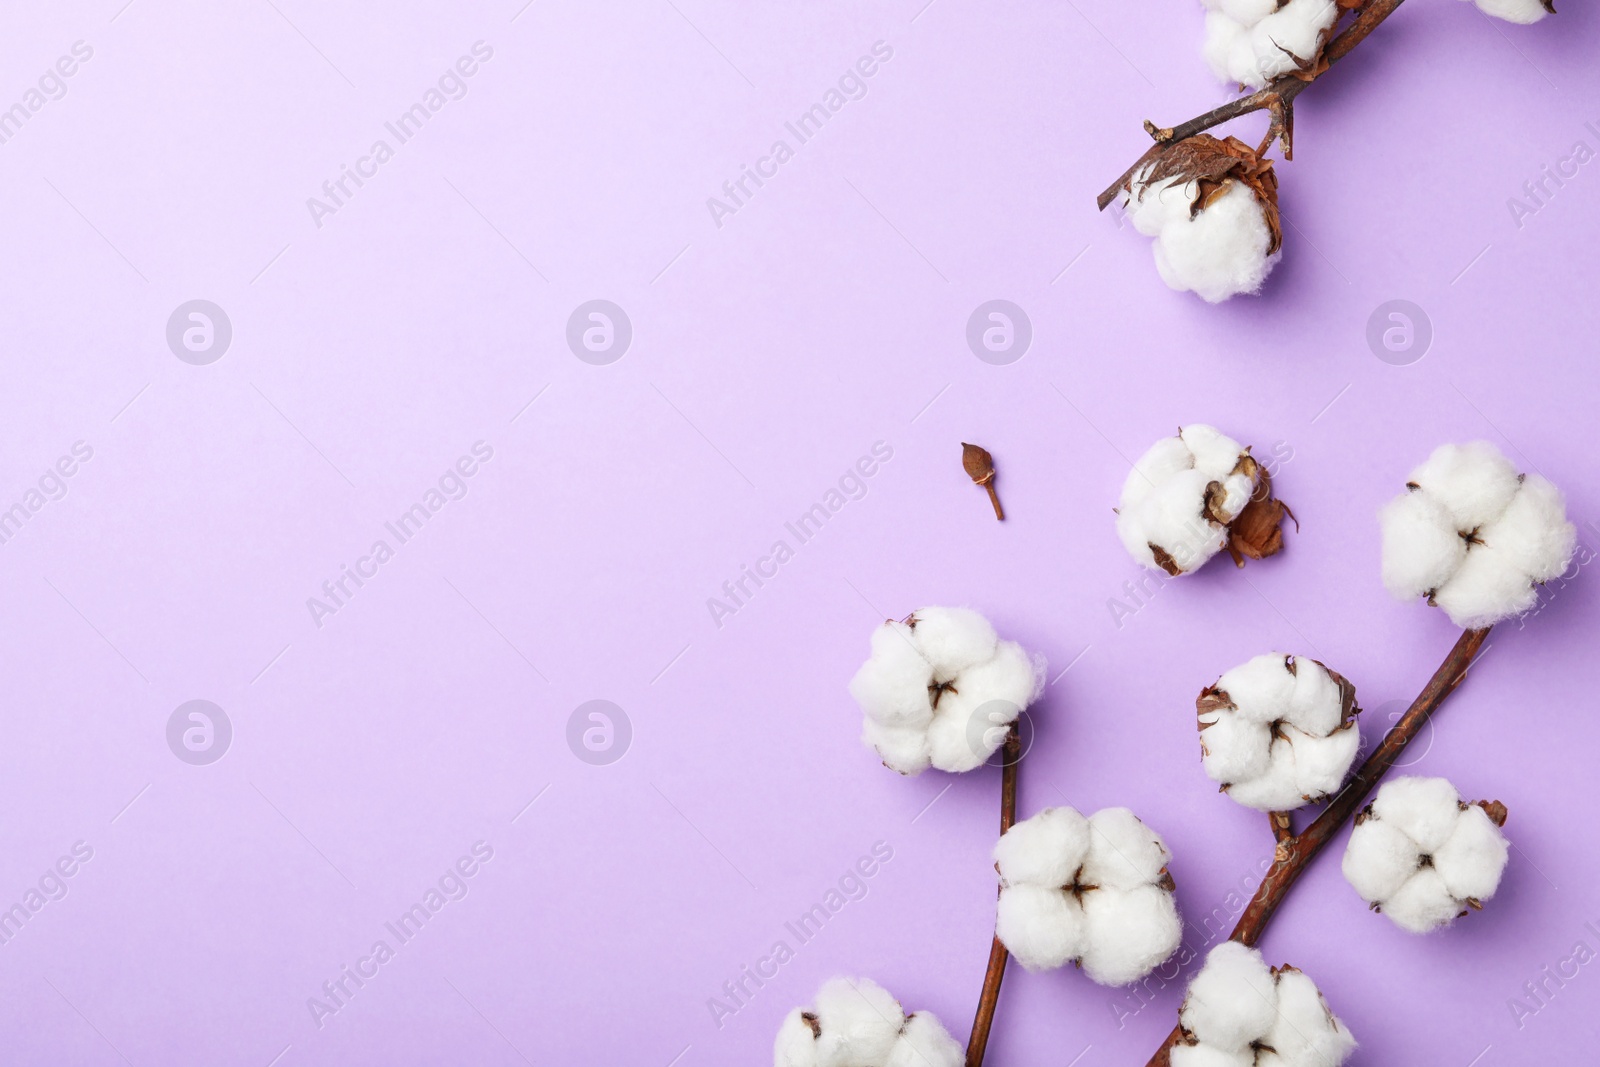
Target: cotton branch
(1295, 853)
(1277, 99)
(1012, 755)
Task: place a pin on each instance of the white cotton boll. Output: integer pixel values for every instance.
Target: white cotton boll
(1042, 927)
(1278, 789)
(1011, 675)
(1379, 859)
(1291, 32)
(1160, 462)
(796, 1045)
(953, 639)
(1152, 207)
(892, 686)
(1320, 763)
(925, 1043)
(1233, 749)
(1424, 809)
(1223, 35)
(1215, 453)
(1128, 932)
(1306, 1033)
(1261, 688)
(1233, 1000)
(962, 735)
(1533, 533)
(1046, 849)
(944, 691)
(1317, 706)
(1222, 251)
(859, 1021)
(1123, 852)
(1473, 481)
(900, 749)
(1472, 859)
(1248, 12)
(1209, 1056)
(1424, 903)
(1485, 589)
(1522, 12)
(1131, 532)
(1421, 546)
(1173, 517)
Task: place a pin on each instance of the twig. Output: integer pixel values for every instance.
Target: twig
(997, 952)
(1280, 826)
(1277, 97)
(1294, 854)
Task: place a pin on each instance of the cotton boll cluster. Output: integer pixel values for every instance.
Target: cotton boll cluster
(856, 1023)
(1192, 495)
(1251, 42)
(1522, 12)
(1093, 890)
(941, 688)
(1238, 1012)
(1422, 856)
(1278, 731)
(1225, 249)
(1474, 536)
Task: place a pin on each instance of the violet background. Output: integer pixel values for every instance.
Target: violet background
(768, 354)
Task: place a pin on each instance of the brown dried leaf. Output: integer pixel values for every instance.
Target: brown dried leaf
(1496, 811)
(1211, 699)
(1164, 560)
(1257, 532)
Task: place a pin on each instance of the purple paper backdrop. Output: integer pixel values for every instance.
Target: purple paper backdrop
(379, 338)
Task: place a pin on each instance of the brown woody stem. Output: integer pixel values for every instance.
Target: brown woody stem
(997, 952)
(994, 498)
(1294, 854)
(1277, 97)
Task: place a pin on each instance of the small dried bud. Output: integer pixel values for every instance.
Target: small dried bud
(979, 465)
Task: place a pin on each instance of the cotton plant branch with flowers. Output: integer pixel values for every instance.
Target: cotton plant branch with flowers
(1212, 203)
(1476, 538)
(1278, 733)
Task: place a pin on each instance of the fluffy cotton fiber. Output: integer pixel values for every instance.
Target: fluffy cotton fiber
(1522, 12)
(1474, 536)
(1093, 890)
(856, 1023)
(1278, 731)
(1219, 252)
(941, 688)
(1422, 856)
(1180, 497)
(1251, 42)
(1237, 1008)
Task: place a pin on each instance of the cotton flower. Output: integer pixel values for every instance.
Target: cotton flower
(1422, 856)
(856, 1023)
(1212, 206)
(1522, 12)
(1474, 536)
(1240, 1013)
(1192, 495)
(1093, 890)
(940, 688)
(1278, 731)
(1251, 42)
